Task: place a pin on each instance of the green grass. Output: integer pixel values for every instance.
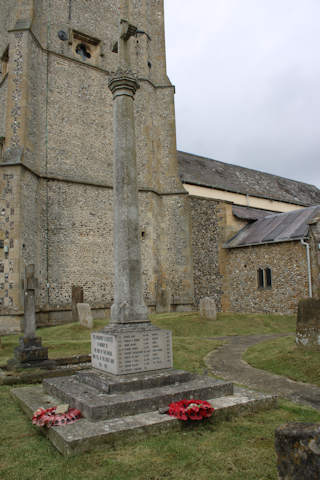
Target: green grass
(283, 357)
(62, 341)
(72, 339)
(239, 449)
(191, 324)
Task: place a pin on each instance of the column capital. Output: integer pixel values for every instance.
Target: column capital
(123, 82)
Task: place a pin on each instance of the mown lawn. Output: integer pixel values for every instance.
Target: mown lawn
(191, 324)
(239, 449)
(72, 339)
(283, 357)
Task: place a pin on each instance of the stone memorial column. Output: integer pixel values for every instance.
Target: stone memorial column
(130, 344)
(128, 304)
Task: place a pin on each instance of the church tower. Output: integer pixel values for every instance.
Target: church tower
(56, 154)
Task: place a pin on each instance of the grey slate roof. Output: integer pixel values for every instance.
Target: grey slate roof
(232, 178)
(249, 213)
(280, 227)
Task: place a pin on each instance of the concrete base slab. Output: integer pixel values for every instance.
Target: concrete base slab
(85, 435)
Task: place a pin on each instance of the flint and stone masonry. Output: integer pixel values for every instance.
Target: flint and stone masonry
(56, 169)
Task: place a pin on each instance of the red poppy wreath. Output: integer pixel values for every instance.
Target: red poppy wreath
(49, 418)
(191, 409)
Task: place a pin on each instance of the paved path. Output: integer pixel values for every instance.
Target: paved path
(226, 362)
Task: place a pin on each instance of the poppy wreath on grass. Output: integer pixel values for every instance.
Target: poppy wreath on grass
(191, 409)
(49, 418)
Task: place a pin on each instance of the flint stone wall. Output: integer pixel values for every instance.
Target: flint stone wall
(59, 123)
(205, 238)
(288, 265)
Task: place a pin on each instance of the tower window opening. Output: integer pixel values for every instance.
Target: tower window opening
(87, 47)
(82, 50)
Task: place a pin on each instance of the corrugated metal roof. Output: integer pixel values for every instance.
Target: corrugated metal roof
(281, 227)
(232, 178)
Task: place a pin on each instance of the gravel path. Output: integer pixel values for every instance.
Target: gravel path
(226, 362)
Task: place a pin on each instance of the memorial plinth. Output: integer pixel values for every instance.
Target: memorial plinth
(125, 349)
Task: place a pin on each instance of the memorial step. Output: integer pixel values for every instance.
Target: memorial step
(84, 435)
(108, 383)
(96, 405)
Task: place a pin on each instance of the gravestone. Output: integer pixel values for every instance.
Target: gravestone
(163, 299)
(298, 449)
(85, 315)
(308, 324)
(30, 352)
(207, 308)
(77, 297)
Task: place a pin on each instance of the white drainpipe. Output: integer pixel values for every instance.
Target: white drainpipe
(309, 266)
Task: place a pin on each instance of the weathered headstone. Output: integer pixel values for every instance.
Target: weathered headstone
(163, 299)
(308, 323)
(207, 308)
(298, 450)
(30, 352)
(130, 344)
(85, 315)
(77, 297)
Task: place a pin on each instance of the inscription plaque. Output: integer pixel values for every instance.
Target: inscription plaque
(130, 350)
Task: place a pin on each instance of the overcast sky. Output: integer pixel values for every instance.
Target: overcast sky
(247, 77)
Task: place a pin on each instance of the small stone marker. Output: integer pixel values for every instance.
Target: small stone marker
(85, 315)
(308, 323)
(163, 300)
(298, 449)
(77, 297)
(207, 308)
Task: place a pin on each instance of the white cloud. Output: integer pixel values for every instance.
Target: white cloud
(247, 74)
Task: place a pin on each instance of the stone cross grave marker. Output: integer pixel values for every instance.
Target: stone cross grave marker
(29, 352)
(29, 319)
